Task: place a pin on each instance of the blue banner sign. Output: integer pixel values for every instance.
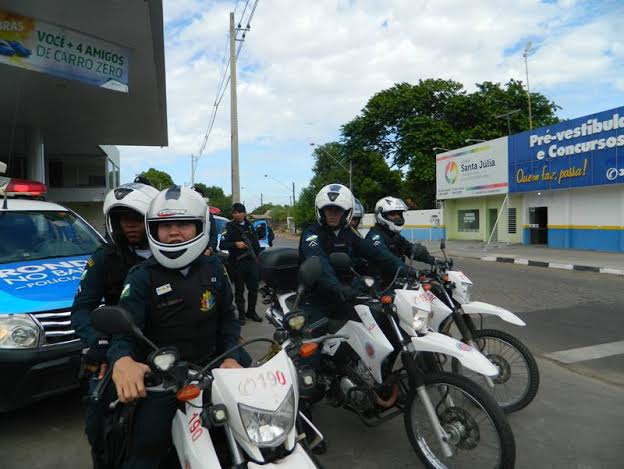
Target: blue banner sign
(576, 153)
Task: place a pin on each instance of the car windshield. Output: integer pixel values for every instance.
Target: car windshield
(32, 235)
(220, 224)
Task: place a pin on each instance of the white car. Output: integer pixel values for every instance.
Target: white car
(43, 250)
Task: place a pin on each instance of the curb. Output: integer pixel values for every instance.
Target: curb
(552, 265)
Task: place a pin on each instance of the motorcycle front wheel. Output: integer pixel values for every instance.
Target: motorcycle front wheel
(477, 429)
(518, 380)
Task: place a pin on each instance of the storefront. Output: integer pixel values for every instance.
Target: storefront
(78, 77)
(563, 187)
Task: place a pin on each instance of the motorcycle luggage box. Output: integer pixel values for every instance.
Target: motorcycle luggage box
(278, 268)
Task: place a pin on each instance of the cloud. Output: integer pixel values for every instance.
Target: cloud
(306, 68)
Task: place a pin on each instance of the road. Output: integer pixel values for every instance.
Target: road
(574, 422)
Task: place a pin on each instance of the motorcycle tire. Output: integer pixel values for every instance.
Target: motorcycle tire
(529, 391)
(477, 398)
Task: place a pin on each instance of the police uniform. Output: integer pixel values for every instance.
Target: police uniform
(190, 309)
(385, 239)
(102, 278)
(243, 264)
(321, 240)
(213, 240)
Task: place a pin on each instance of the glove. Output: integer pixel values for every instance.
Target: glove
(420, 253)
(97, 353)
(345, 294)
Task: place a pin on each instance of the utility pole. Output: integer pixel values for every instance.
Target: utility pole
(526, 66)
(193, 166)
(261, 201)
(294, 202)
(234, 114)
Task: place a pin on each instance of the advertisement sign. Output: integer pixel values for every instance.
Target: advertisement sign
(473, 171)
(587, 151)
(40, 285)
(43, 47)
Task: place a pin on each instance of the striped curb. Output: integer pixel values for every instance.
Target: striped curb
(553, 265)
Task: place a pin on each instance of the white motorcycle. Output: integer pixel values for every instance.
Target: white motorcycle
(257, 408)
(517, 382)
(450, 421)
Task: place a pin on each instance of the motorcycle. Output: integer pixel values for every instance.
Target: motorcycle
(379, 368)
(257, 408)
(517, 382)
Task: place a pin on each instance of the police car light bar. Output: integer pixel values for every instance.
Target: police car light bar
(21, 187)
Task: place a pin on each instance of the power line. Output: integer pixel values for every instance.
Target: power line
(223, 83)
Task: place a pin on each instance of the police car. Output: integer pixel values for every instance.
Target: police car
(43, 250)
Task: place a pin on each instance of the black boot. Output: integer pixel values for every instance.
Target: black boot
(254, 316)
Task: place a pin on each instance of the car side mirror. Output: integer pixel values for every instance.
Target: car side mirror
(112, 320)
(340, 261)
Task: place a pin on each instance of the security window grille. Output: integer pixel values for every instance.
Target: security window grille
(468, 220)
(511, 220)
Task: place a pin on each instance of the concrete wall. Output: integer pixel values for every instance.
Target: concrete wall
(91, 212)
(418, 226)
(486, 218)
(583, 218)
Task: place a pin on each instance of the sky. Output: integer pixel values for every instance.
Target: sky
(307, 67)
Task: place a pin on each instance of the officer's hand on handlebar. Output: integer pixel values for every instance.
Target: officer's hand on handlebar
(230, 363)
(128, 377)
(345, 293)
(240, 245)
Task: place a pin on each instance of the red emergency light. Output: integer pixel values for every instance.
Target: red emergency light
(25, 188)
(215, 210)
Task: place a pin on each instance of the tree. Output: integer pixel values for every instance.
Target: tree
(372, 178)
(216, 197)
(404, 123)
(159, 179)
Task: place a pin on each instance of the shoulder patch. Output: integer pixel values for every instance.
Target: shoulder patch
(126, 291)
(311, 238)
(376, 236)
(90, 262)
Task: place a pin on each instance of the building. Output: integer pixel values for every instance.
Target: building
(76, 78)
(559, 186)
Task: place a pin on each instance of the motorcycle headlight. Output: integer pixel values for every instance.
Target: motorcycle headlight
(18, 331)
(468, 291)
(421, 319)
(269, 428)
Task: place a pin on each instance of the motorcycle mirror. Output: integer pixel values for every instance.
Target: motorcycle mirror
(340, 261)
(310, 271)
(112, 320)
(442, 244)
(116, 320)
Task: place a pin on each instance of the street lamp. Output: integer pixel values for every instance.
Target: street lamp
(527, 49)
(349, 169)
(286, 186)
(477, 140)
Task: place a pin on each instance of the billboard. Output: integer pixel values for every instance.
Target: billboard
(43, 47)
(473, 171)
(576, 153)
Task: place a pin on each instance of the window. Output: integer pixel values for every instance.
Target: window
(468, 220)
(31, 235)
(511, 220)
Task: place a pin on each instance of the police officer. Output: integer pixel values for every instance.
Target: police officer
(332, 233)
(358, 214)
(241, 241)
(103, 277)
(386, 234)
(179, 298)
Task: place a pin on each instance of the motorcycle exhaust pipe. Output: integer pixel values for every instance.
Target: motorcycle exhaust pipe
(387, 403)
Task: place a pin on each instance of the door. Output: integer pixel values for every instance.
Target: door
(538, 223)
(492, 214)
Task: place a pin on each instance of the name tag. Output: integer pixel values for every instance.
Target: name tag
(164, 289)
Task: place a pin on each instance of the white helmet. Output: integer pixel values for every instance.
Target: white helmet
(358, 208)
(335, 195)
(134, 197)
(178, 204)
(386, 205)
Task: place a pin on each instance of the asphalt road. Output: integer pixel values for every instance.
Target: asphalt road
(574, 422)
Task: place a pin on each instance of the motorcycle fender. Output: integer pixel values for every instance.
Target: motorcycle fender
(477, 307)
(195, 448)
(467, 355)
(298, 459)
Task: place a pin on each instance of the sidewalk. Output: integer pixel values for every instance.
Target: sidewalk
(539, 256)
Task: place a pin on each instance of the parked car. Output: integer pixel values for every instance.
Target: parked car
(43, 250)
